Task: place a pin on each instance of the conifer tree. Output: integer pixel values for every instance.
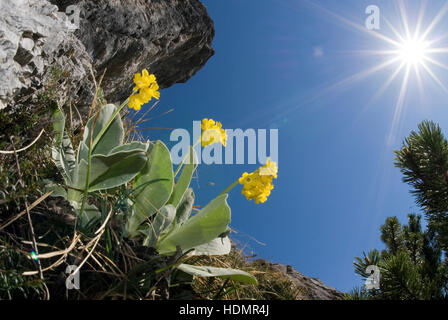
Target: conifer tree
(423, 160)
(414, 264)
(411, 266)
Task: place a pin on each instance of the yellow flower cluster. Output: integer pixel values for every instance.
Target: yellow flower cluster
(147, 88)
(258, 184)
(212, 132)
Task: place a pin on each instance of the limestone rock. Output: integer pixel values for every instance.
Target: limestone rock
(36, 46)
(41, 45)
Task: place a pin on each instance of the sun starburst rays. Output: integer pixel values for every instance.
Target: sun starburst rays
(391, 51)
(411, 49)
(415, 51)
(415, 48)
(413, 45)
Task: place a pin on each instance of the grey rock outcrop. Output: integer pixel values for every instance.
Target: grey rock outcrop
(171, 38)
(313, 288)
(35, 44)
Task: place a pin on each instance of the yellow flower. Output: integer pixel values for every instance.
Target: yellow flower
(155, 90)
(258, 184)
(269, 169)
(135, 102)
(144, 79)
(147, 88)
(248, 179)
(212, 132)
(145, 94)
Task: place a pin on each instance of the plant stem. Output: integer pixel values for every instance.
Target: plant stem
(229, 187)
(92, 146)
(89, 162)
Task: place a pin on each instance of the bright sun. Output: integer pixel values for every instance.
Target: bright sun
(413, 51)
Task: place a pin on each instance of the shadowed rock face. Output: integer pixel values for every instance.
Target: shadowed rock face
(171, 38)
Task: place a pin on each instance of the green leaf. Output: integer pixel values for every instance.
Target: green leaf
(132, 146)
(216, 247)
(206, 271)
(185, 206)
(58, 125)
(62, 151)
(163, 220)
(74, 195)
(80, 175)
(113, 136)
(184, 179)
(58, 191)
(201, 228)
(153, 185)
(83, 152)
(90, 213)
(115, 169)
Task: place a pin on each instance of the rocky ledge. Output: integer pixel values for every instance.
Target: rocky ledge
(312, 288)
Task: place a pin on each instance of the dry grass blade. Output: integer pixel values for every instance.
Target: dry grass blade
(61, 252)
(34, 204)
(25, 148)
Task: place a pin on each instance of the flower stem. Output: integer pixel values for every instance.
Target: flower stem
(92, 146)
(89, 162)
(229, 187)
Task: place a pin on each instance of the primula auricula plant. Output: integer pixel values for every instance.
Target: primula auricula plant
(147, 88)
(212, 132)
(258, 184)
(158, 206)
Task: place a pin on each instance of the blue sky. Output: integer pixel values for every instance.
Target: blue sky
(282, 64)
